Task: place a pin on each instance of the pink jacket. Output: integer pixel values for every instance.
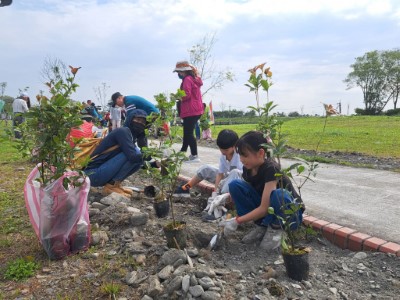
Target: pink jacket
(192, 103)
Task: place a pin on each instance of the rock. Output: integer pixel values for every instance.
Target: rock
(196, 291)
(166, 272)
(210, 295)
(131, 209)
(145, 297)
(141, 259)
(360, 255)
(93, 211)
(99, 237)
(193, 280)
(333, 290)
(174, 284)
(185, 283)
(171, 256)
(202, 271)
(155, 287)
(135, 279)
(270, 273)
(114, 199)
(206, 282)
(192, 252)
(181, 270)
(178, 263)
(139, 219)
(98, 205)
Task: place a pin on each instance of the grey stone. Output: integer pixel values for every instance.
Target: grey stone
(202, 271)
(113, 199)
(93, 211)
(193, 280)
(134, 278)
(166, 272)
(131, 209)
(178, 263)
(181, 270)
(170, 257)
(138, 219)
(192, 252)
(196, 291)
(210, 295)
(99, 237)
(206, 282)
(185, 283)
(98, 205)
(360, 255)
(174, 285)
(145, 297)
(155, 287)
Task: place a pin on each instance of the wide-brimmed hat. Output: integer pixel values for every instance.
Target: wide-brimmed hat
(24, 94)
(183, 66)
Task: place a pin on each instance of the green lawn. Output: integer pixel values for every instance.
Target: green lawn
(373, 135)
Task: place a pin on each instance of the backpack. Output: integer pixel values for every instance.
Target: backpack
(84, 149)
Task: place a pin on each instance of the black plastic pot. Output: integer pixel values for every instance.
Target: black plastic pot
(297, 266)
(161, 208)
(176, 237)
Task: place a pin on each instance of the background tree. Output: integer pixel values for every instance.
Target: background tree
(375, 72)
(201, 57)
(391, 65)
(53, 70)
(101, 94)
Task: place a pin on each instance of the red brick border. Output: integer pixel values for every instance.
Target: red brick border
(343, 237)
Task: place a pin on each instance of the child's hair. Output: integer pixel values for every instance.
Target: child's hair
(251, 141)
(226, 139)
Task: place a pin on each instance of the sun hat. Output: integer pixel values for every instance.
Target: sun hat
(183, 66)
(115, 96)
(86, 116)
(24, 94)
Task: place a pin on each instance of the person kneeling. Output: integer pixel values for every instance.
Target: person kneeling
(260, 189)
(118, 156)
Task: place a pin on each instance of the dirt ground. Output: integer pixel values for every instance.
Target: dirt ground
(242, 271)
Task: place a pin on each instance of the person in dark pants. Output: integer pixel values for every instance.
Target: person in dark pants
(118, 155)
(191, 106)
(20, 107)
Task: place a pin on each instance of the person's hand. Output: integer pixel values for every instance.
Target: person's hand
(218, 201)
(210, 200)
(230, 226)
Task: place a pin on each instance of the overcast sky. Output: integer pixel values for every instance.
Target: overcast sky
(133, 46)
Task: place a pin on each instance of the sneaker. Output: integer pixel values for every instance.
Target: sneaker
(115, 188)
(271, 240)
(182, 191)
(255, 235)
(193, 158)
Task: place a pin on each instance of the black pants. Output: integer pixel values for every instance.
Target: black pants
(18, 120)
(189, 140)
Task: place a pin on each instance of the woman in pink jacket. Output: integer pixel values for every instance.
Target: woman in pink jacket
(191, 107)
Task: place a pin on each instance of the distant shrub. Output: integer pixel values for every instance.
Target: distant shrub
(366, 112)
(393, 112)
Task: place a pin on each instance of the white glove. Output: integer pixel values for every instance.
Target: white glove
(210, 200)
(230, 226)
(218, 202)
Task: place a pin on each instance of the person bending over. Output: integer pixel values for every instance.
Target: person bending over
(260, 189)
(118, 156)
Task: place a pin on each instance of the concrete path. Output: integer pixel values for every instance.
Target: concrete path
(363, 199)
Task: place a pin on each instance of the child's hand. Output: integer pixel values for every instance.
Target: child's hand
(230, 226)
(218, 201)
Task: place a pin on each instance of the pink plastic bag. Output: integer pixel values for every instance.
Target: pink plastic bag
(59, 217)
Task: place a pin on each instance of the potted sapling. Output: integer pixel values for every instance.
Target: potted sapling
(165, 179)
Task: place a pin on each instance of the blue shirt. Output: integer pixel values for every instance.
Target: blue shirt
(137, 102)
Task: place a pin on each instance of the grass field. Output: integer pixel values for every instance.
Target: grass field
(372, 135)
